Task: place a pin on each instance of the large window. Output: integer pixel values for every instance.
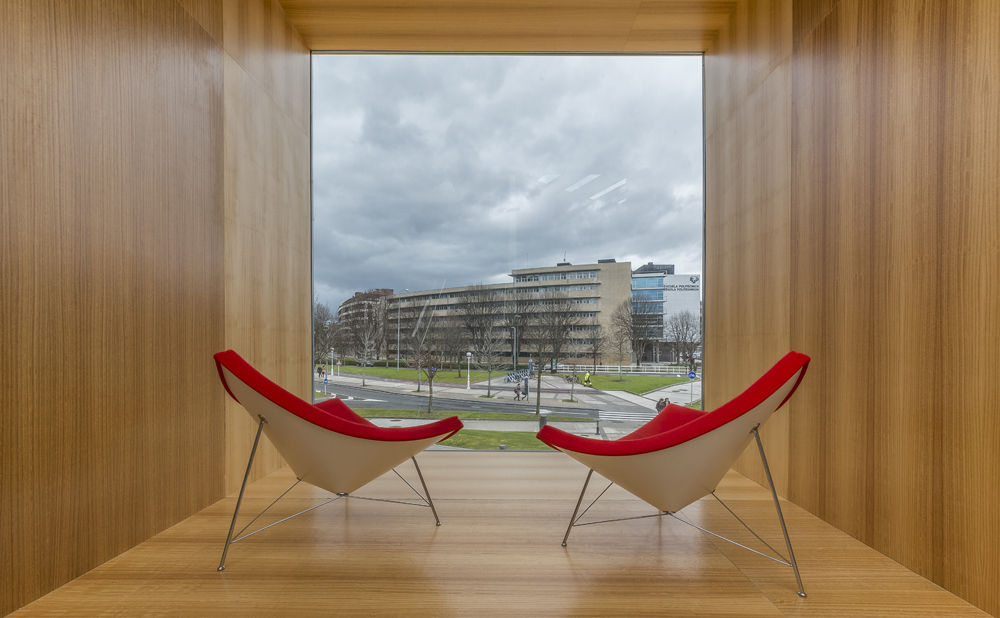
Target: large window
(533, 184)
(647, 294)
(647, 282)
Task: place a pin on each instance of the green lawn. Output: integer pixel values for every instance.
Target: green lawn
(449, 376)
(633, 384)
(491, 440)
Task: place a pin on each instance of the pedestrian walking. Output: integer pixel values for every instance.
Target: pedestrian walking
(525, 391)
(517, 391)
(660, 404)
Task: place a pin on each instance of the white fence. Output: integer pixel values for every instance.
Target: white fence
(649, 368)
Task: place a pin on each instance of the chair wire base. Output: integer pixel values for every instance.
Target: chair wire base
(239, 499)
(426, 501)
(574, 520)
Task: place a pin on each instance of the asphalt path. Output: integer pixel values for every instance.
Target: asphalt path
(389, 400)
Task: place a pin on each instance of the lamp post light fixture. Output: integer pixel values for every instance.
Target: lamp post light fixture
(468, 374)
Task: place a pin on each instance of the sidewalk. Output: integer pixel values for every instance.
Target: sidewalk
(532, 425)
(588, 429)
(680, 394)
(555, 391)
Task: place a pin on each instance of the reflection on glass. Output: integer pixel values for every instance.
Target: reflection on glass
(477, 218)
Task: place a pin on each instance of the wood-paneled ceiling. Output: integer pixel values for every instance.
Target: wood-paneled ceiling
(510, 25)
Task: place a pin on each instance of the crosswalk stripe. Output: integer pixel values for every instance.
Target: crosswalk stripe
(353, 398)
(615, 415)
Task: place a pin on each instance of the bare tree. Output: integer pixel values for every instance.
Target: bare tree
(366, 331)
(684, 334)
(637, 322)
(621, 331)
(428, 361)
(342, 340)
(483, 316)
(324, 331)
(596, 341)
(516, 312)
(417, 340)
(550, 328)
(450, 338)
(572, 380)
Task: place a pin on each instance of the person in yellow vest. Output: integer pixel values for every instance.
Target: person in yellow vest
(586, 379)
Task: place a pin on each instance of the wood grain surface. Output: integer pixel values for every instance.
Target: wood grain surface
(155, 211)
(857, 143)
(513, 26)
(268, 244)
(111, 272)
(497, 553)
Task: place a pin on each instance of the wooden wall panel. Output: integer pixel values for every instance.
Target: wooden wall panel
(748, 87)
(268, 258)
(895, 113)
(155, 211)
(894, 265)
(512, 26)
(111, 282)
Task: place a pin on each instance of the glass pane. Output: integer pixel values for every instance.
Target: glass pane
(495, 214)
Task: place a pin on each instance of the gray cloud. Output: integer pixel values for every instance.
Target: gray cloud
(451, 170)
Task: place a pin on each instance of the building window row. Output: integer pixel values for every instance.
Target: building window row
(580, 274)
(647, 282)
(641, 295)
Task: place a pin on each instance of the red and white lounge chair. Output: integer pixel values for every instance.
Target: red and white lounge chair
(326, 444)
(680, 455)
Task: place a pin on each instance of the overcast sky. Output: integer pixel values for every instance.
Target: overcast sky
(441, 171)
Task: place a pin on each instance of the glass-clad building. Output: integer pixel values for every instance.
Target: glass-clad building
(658, 293)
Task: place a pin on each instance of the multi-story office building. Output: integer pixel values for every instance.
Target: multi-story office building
(588, 292)
(361, 302)
(363, 316)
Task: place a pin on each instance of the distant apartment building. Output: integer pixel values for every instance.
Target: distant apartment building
(589, 292)
(660, 293)
(353, 314)
(361, 302)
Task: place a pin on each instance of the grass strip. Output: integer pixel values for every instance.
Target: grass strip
(636, 385)
(491, 440)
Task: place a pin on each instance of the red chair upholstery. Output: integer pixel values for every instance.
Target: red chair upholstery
(681, 455)
(327, 445)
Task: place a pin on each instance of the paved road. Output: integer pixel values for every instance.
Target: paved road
(369, 398)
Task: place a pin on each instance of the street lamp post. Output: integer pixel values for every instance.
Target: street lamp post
(399, 309)
(468, 375)
(513, 347)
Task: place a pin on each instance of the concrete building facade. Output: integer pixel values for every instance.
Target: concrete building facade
(589, 292)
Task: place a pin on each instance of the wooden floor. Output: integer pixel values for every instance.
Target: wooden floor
(498, 553)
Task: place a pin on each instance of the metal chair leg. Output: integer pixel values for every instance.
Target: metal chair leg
(236, 512)
(781, 518)
(579, 501)
(426, 493)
